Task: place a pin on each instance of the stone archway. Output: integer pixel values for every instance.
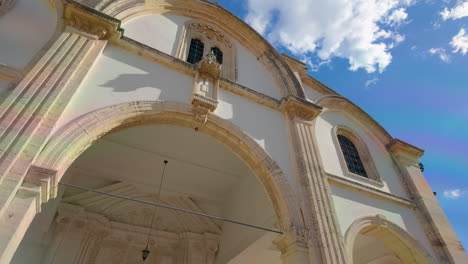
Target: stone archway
(71, 140)
(406, 248)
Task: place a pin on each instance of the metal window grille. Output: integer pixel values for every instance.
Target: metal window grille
(351, 155)
(196, 51)
(218, 54)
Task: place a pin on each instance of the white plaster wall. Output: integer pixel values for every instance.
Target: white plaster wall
(266, 126)
(252, 74)
(159, 31)
(311, 94)
(329, 152)
(351, 205)
(247, 203)
(119, 76)
(24, 30)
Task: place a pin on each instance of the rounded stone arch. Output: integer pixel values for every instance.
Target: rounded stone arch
(408, 249)
(67, 143)
(341, 104)
(211, 13)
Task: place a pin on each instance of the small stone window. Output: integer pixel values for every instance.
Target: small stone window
(218, 54)
(351, 156)
(196, 51)
(200, 38)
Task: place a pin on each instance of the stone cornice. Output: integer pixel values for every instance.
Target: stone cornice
(297, 107)
(402, 149)
(295, 64)
(90, 21)
(338, 102)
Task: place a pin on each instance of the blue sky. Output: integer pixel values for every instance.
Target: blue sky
(405, 62)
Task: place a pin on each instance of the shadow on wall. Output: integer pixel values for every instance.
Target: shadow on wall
(124, 72)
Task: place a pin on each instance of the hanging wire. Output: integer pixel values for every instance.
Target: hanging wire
(146, 251)
(172, 208)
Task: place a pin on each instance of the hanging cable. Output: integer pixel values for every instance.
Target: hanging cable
(145, 252)
(171, 208)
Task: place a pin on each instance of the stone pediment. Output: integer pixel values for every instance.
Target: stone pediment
(138, 214)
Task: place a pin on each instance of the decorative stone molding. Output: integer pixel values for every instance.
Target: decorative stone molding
(6, 5)
(293, 246)
(354, 112)
(392, 235)
(405, 150)
(295, 237)
(86, 19)
(205, 88)
(297, 107)
(212, 37)
(46, 179)
(210, 32)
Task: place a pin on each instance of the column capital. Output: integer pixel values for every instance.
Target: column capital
(294, 238)
(90, 21)
(404, 150)
(295, 106)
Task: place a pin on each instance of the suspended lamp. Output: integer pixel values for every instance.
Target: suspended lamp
(145, 252)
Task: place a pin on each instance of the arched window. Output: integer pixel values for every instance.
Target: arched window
(196, 51)
(351, 156)
(218, 53)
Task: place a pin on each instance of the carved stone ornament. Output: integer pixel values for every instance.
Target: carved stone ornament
(209, 65)
(6, 5)
(87, 20)
(296, 107)
(206, 85)
(210, 33)
(202, 105)
(295, 237)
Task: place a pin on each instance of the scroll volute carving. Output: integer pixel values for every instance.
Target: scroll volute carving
(205, 88)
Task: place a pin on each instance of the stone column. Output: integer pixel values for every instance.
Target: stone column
(443, 238)
(31, 109)
(325, 241)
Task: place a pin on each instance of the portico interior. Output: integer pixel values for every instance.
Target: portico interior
(201, 175)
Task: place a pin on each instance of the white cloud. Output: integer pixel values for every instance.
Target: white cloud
(460, 42)
(454, 193)
(371, 82)
(356, 30)
(441, 53)
(398, 16)
(459, 11)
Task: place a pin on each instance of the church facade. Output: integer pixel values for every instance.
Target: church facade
(169, 131)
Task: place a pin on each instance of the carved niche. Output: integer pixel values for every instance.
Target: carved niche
(205, 88)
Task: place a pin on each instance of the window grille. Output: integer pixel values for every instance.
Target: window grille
(196, 51)
(351, 155)
(218, 54)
